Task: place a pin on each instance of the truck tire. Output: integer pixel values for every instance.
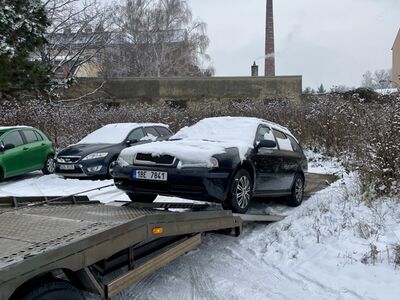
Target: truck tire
(49, 165)
(54, 290)
(240, 193)
(297, 194)
(144, 198)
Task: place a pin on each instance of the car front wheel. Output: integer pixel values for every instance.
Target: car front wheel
(49, 165)
(297, 194)
(241, 192)
(144, 198)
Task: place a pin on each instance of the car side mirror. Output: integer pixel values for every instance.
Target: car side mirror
(130, 142)
(6, 147)
(266, 144)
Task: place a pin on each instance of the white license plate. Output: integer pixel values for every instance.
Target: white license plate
(150, 175)
(67, 167)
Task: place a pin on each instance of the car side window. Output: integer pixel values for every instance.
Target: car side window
(39, 136)
(151, 131)
(264, 133)
(163, 131)
(30, 136)
(136, 135)
(283, 141)
(13, 138)
(296, 147)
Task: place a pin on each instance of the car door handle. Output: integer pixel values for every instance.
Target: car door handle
(43, 144)
(25, 148)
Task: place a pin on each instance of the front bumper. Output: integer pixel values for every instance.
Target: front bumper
(83, 169)
(191, 183)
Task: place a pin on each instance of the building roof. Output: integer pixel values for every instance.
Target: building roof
(397, 39)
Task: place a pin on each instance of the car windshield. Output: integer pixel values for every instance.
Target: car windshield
(110, 134)
(221, 129)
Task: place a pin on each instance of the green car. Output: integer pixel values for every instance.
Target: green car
(24, 149)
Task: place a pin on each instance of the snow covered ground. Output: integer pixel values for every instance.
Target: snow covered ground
(332, 247)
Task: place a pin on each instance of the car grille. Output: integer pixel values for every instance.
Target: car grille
(68, 159)
(165, 160)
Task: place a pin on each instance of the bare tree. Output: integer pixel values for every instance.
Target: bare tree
(380, 79)
(77, 35)
(157, 38)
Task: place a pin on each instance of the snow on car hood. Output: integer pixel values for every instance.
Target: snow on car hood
(196, 145)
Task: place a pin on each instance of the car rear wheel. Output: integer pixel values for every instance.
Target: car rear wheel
(296, 197)
(144, 198)
(241, 192)
(49, 165)
(54, 289)
(1, 174)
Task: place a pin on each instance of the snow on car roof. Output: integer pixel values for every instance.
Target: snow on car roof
(114, 133)
(195, 145)
(4, 128)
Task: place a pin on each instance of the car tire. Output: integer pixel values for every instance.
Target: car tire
(110, 168)
(1, 174)
(297, 194)
(54, 289)
(240, 193)
(49, 165)
(143, 198)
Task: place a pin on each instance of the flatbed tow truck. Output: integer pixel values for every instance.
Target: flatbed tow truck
(54, 248)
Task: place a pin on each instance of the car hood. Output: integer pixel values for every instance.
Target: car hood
(189, 152)
(85, 149)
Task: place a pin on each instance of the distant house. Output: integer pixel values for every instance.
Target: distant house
(396, 61)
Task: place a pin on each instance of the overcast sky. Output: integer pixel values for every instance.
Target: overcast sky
(327, 41)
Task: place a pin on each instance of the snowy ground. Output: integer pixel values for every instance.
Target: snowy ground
(324, 249)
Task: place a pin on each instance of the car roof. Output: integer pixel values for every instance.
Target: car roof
(133, 125)
(8, 128)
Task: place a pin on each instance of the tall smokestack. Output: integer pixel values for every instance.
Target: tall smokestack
(269, 41)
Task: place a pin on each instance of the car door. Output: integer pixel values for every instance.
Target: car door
(36, 150)
(290, 159)
(13, 159)
(267, 162)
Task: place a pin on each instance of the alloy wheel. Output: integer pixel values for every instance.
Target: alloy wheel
(243, 192)
(51, 165)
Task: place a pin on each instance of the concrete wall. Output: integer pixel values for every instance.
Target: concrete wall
(396, 62)
(195, 89)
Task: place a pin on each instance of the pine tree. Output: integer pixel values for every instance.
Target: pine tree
(23, 25)
(321, 89)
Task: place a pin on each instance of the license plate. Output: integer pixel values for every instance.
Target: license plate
(67, 167)
(150, 175)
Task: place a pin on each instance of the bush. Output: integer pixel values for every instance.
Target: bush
(364, 130)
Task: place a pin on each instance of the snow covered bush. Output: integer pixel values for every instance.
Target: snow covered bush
(363, 131)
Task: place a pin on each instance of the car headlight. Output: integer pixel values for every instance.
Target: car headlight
(214, 162)
(96, 155)
(122, 162)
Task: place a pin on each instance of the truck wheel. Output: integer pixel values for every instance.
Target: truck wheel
(145, 198)
(49, 165)
(241, 192)
(54, 290)
(296, 197)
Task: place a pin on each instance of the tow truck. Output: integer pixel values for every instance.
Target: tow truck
(57, 247)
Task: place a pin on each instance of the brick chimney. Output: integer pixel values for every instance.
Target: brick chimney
(269, 41)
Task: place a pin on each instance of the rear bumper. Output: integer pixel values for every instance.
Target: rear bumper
(191, 183)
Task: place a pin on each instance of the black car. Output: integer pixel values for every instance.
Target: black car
(226, 160)
(94, 155)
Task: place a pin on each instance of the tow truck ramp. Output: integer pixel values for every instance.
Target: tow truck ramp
(99, 248)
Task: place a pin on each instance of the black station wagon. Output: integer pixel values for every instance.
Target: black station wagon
(226, 160)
